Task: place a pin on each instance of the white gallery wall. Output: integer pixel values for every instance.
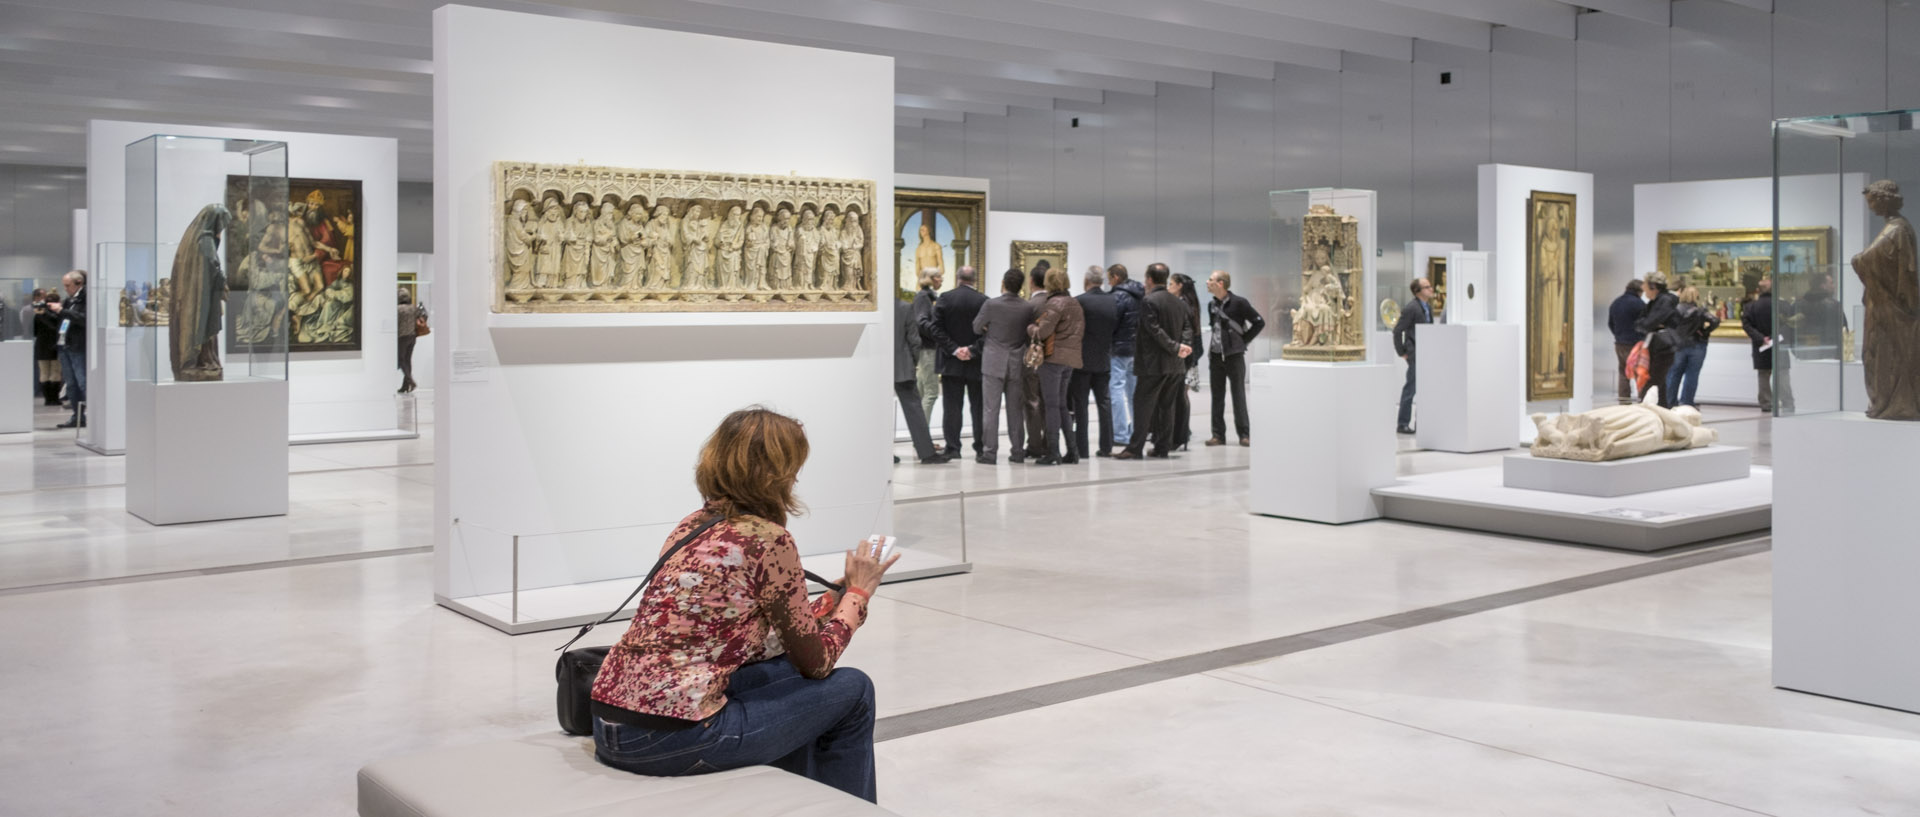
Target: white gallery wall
(329, 392)
(1504, 190)
(1085, 236)
(578, 433)
(1747, 204)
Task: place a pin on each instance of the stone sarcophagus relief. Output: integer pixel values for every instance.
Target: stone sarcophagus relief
(1330, 322)
(573, 238)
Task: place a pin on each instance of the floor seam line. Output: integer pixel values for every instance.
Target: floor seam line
(1022, 489)
(215, 570)
(965, 617)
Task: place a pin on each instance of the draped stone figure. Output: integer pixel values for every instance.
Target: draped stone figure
(780, 264)
(757, 239)
(601, 265)
(806, 250)
(1890, 345)
(830, 253)
(578, 243)
(696, 246)
(199, 290)
(633, 252)
(519, 245)
(733, 233)
(853, 246)
(548, 238)
(1619, 432)
(659, 241)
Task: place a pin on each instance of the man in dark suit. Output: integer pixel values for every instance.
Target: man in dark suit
(1036, 419)
(1002, 322)
(1757, 320)
(1234, 324)
(906, 349)
(959, 356)
(1160, 345)
(1102, 315)
(1416, 312)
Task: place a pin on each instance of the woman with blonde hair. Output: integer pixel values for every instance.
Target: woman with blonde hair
(1062, 326)
(726, 664)
(1693, 326)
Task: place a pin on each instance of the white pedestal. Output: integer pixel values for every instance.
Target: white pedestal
(199, 452)
(16, 386)
(1828, 385)
(1324, 439)
(1468, 398)
(1469, 299)
(1846, 619)
(1635, 475)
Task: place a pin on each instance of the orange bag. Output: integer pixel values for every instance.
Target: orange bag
(1638, 362)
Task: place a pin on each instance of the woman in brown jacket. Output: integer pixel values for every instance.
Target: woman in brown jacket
(1061, 325)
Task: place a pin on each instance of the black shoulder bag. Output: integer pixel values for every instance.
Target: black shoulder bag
(576, 669)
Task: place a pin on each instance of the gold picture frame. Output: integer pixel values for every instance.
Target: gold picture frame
(1026, 254)
(1731, 262)
(1437, 276)
(958, 221)
(1551, 246)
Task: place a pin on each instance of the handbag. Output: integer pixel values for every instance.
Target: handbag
(1639, 362)
(1036, 354)
(420, 328)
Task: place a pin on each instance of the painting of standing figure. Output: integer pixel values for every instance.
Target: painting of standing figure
(1550, 282)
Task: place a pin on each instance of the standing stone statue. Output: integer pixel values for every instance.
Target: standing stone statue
(199, 289)
(548, 239)
(1891, 348)
(519, 239)
(696, 245)
(806, 250)
(578, 241)
(780, 265)
(732, 237)
(853, 245)
(758, 237)
(633, 253)
(659, 242)
(830, 253)
(601, 265)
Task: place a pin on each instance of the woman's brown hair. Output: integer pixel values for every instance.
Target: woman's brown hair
(1057, 282)
(750, 463)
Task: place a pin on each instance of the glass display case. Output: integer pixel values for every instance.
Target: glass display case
(1324, 251)
(204, 291)
(16, 305)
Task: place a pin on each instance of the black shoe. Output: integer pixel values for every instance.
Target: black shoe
(1403, 430)
(1047, 460)
(896, 459)
(1127, 455)
(1103, 453)
(68, 424)
(1017, 460)
(937, 459)
(1035, 452)
(1070, 459)
(983, 459)
(1161, 455)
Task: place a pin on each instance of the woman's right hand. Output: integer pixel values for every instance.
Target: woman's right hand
(864, 568)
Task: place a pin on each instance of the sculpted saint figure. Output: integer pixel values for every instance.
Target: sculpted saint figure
(660, 249)
(830, 253)
(519, 239)
(780, 266)
(733, 233)
(1552, 335)
(696, 245)
(1890, 348)
(1619, 432)
(757, 239)
(1317, 321)
(199, 289)
(546, 244)
(578, 241)
(853, 243)
(928, 255)
(806, 250)
(633, 252)
(606, 229)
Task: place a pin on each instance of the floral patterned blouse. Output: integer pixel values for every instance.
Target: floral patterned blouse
(733, 596)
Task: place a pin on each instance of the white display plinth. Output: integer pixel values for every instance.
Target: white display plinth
(1326, 442)
(199, 452)
(1468, 398)
(1818, 385)
(1469, 300)
(16, 387)
(1634, 475)
(1846, 619)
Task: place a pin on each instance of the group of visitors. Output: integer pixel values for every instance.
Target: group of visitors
(59, 327)
(1676, 327)
(1120, 352)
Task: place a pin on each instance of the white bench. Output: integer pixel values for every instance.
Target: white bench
(553, 775)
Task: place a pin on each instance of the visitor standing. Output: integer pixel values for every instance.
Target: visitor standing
(1234, 323)
(1002, 324)
(1102, 314)
(1621, 316)
(958, 359)
(1060, 326)
(1121, 381)
(1417, 311)
(1692, 329)
(1160, 347)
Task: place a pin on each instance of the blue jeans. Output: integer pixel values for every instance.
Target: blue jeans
(822, 730)
(73, 369)
(1120, 383)
(1684, 379)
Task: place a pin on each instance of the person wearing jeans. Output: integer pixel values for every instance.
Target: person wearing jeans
(1121, 379)
(72, 344)
(1693, 327)
(1416, 312)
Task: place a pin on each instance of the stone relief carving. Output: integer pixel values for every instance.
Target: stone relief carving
(1619, 432)
(605, 239)
(1329, 324)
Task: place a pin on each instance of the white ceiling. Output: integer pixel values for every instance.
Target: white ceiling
(364, 67)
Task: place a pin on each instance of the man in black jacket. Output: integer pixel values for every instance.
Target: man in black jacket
(1127, 295)
(1662, 313)
(1416, 312)
(925, 372)
(958, 357)
(1757, 320)
(1233, 324)
(1159, 347)
(1621, 317)
(1102, 315)
(906, 348)
(73, 344)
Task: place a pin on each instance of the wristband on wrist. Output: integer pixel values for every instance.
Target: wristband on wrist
(864, 594)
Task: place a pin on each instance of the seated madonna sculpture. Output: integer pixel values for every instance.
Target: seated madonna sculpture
(1619, 432)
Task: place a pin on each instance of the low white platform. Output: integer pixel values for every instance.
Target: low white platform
(199, 452)
(1328, 441)
(16, 387)
(1476, 499)
(1846, 619)
(1468, 399)
(1636, 475)
(553, 608)
(352, 436)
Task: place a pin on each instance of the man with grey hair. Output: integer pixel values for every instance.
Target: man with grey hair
(1102, 316)
(72, 343)
(931, 280)
(958, 349)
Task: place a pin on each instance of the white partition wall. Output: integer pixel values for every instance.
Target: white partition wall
(1085, 236)
(569, 440)
(1503, 231)
(330, 393)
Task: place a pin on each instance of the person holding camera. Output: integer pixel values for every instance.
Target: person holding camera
(71, 343)
(46, 349)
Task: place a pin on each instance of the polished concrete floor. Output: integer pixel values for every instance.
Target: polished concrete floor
(1131, 641)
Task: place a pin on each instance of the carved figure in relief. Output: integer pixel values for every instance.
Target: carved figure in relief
(519, 245)
(780, 264)
(806, 250)
(1328, 325)
(1890, 353)
(199, 290)
(830, 253)
(758, 237)
(696, 245)
(578, 242)
(659, 241)
(853, 246)
(633, 252)
(606, 246)
(1619, 432)
(733, 233)
(547, 241)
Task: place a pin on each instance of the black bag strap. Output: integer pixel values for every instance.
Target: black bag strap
(684, 541)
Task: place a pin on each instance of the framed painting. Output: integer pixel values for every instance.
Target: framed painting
(936, 229)
(1550, 272)
(1727, 265)
(410, 284)
(312, 302)
(1437, 275)
(1026, 254)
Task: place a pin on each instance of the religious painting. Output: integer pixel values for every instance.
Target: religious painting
(410, 284)
(1437, 275)
(1026, 254)
(293, 268)
(579, 239)
(937, 229)
(1727, 265)
(1550, 273)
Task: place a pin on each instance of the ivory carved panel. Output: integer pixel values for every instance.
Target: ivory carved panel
(573, 238)
(1330, 324)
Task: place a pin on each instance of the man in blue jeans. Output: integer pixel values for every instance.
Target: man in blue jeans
(72, 343)
(1416, 312)
(1120, 380)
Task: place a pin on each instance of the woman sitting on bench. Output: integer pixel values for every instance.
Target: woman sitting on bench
(726, 664)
